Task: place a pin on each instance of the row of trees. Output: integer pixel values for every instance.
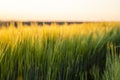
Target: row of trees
(15, 23)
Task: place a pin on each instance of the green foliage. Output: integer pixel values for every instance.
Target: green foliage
(112, 69)
(79, 57)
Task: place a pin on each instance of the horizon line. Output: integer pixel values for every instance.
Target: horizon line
(59, 20)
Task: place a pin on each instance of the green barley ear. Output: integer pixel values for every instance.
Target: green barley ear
(112, 69)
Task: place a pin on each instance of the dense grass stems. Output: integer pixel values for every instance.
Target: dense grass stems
(69, 52)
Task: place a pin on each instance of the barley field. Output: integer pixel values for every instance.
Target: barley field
(87, 51)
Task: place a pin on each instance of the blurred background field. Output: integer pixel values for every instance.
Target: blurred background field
(38, 23)
(59, 50)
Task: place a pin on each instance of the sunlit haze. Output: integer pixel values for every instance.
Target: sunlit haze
(60, 10)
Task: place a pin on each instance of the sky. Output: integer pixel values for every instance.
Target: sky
(60, 10)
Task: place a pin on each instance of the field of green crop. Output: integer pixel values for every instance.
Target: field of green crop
(88, 51)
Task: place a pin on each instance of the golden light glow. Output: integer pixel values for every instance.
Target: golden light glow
(60, 10)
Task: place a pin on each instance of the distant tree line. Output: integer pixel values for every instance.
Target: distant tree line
(28, 23)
